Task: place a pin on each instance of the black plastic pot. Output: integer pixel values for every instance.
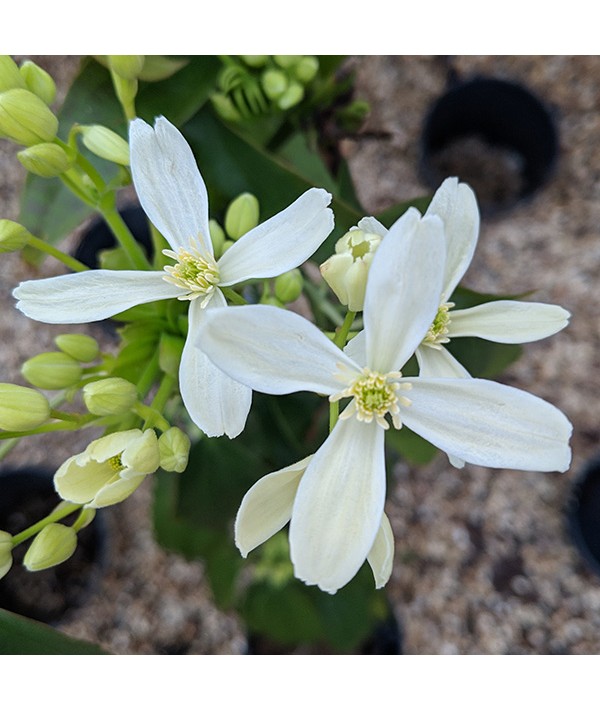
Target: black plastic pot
(26, 496)
(495, 135)
(583, 514)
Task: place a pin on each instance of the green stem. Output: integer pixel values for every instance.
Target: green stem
(124, 237)
(68, 261)
(233, 296)
(55, 516)
(83, 421)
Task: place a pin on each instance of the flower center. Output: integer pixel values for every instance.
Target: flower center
(115, 463)
(438, 331)
(374, 395)
(358, 243)
(197, 274)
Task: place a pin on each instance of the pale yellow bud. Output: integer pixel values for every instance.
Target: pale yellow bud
(174, 447)
(217, 237)
(25, 118)
(5, 553)
(10, 77)
(47, 160)
(39, 81)
(22, 408)
(107, 144)
(51, 371)
(13, 236)
(53, 545)
(127, 66)
(79, 346)
(110, 396)
(242, 215)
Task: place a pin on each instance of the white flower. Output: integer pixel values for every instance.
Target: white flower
(338, 507)
(174, 197)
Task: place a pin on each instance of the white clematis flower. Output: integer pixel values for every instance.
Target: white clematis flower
(173, 195)
(338, 506)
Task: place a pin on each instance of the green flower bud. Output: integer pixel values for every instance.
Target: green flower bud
(288, 286)
(51, 371)
(44, 159)
(271, 300)
(217, 236)
(274, 83)
(292, 95)
(285, 61)
(127, 66)
(125, 89)
(107, 144)
(39, 81)
(79, 346)
(174, 447)
(25, 118)
(53, 545)
(156, 67)
(10, 77)
(22, 408)
(226, 245)
(255, 60)
(225, 107)
(110, 396)
(242, 215)
(5, 553)
(352, 117)
(13, 236)
(306, 69)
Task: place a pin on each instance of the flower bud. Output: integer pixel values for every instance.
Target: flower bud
(255, 60)
(5, 553)
(285, 61)
(54, 544)
(125, 89)
(347, 270)
(13, 236)
(217, 236)
(51, 371)
(127, 66)
(10, 77)
(107, 144)
(306, 69)
(274, 83)
(22, 408)
(242, 215)
(25, 118)
(110, 396)
(79, 346)
(174, 447)
(38, 81)
(291, 96)
(225, 107)
(288, 286)
(44, 159)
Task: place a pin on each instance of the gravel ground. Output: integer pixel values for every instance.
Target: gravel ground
(483, 562)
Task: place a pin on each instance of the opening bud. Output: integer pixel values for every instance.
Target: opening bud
(53, 545)
(127, 66)
(5, 553)
(13, 236)
(174, 447)
(107, 144)
(288, 286)
(10, 77)
(51, 371)
(22, 408)
(242, 215)
(274, 83)
(39, 81)
(45, 159)
(110, 396)
(79, 346)
(25, 118)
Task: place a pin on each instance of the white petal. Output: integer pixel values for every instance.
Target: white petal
(90, 296)
(486, 423)
(116, 492)
(439, 363)
(339, 505)
(455, 203)
(168, 183)
(281, 243)
(272, 350)
(381, 555)
(509, 321)
(216, 403)
(356, 348)
(372, 225)
(403, 290)
(80, 483)
(267, 506)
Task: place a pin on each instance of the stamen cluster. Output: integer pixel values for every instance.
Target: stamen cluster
(439, 329)
(197, 274)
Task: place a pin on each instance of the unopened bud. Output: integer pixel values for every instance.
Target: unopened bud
(107, 144)
(125, 89)
(79, 346)
(54, 544)
(306, 69)
(255, 60)
(174, 448)
(225, 107)
(10, 77)
(6, 547)
(274, 83)
(22, 408)
(271, 300)
(39, 81)
(288, 286)
(291, 96)
(47, 160)
(242, 215)
(217, 236)
(110, 396)
(127, 66)
(51, 371)
(25, 118)
(13, 236)
(285, 61)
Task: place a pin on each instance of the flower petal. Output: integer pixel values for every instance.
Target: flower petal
(216, 403)
(381, 555)
(490, 424)
(455, 203)
(281, 243)
(403, 290)
(272, 350)
(339, 504)
(116, 492)
(356, 348)
(372, 225)
(439, 363)
(168, 183)
(90, 296)
(267, 506)
(509, 321)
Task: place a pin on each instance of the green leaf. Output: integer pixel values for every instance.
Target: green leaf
(20, 635)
